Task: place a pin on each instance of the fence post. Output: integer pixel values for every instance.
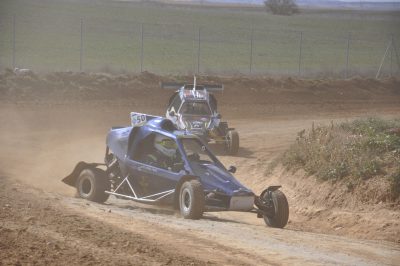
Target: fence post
(300, 49)
(251, 49)
(198, 51)
(383, 60)
(193, 50)
(13, 43)
(396, 54)
(347, 55)
(141, 46)
(81, 48)
(391, 56)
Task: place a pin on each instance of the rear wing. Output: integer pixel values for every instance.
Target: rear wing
(177, 86)
(139, 119)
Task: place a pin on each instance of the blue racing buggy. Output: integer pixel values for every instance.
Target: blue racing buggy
(153, 162)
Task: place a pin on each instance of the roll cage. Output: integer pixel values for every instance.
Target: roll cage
(178, 99)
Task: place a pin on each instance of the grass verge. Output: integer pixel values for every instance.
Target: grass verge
(356, 150)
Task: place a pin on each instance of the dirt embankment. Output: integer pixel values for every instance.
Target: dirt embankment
(329, 207)
(243, 97)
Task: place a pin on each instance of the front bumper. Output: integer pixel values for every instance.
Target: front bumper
(221, 202)
(241, 203)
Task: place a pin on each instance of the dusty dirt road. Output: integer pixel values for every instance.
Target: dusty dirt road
(41, 222)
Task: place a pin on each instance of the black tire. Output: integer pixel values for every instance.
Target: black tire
(191, 200)
(232, 142)
(91, 185)
(281, 217)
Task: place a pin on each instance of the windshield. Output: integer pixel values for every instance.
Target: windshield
(196, 151)
(195, 108)
(200, 158)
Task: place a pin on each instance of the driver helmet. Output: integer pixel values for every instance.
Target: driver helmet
(165, 145)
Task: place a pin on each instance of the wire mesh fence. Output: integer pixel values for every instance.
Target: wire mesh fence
(122, 46)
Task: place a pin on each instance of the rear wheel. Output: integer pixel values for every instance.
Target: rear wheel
(92, 184)
(191, 200)
(232, 142)
(281, 206)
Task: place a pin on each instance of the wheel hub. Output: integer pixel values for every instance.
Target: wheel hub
(186, 200)
(85, 186)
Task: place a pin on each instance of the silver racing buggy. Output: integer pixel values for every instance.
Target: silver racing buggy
(194, 108)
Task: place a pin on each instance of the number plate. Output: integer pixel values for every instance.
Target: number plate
(138, 119)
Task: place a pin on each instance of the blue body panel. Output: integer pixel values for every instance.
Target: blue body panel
(146, 179)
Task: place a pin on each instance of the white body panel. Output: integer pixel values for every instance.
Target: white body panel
(241, 203)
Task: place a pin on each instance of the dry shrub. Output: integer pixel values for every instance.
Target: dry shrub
(358, 150)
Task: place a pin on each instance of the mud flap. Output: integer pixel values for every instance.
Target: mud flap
(71, 178)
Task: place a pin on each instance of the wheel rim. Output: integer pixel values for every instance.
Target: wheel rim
(186, 200)
(85, 187)
(228, 141)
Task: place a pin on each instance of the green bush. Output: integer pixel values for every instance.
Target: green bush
(336, 170)
(369, 169)
(360, 149)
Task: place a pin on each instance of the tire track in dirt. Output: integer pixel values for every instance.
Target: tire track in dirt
(36, 228)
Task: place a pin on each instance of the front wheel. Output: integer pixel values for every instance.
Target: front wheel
(232, 142)
(92, 184)
(191, 200)
(281, 214)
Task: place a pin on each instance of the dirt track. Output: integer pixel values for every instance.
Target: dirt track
(41, 221)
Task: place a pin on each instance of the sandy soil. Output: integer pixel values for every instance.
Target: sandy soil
(41, 139)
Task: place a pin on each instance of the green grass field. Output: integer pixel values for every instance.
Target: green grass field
(47, 38)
